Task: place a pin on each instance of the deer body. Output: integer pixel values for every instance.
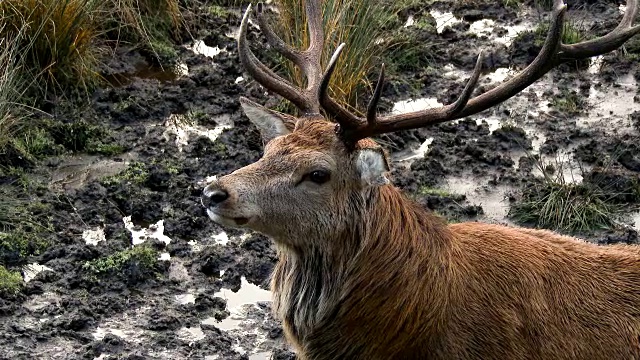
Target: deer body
(365, 273)
(465, 291)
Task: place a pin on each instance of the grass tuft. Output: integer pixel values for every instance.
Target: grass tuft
(56, 39)
(566, 207)
(144, 257)
(10, 281)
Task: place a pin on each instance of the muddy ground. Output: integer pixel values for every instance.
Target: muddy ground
(191, 289)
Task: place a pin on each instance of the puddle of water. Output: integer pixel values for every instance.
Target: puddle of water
(611, 106)
(248, 294)
(412, 154)
(636, 221)
(94, 236)
(77, 171)
(144, 71)
(567, 170)
(486, 27)
(128, 326)
(140, 235)
(492, 200)
(443, 19)
(31, 270)
(178, 124)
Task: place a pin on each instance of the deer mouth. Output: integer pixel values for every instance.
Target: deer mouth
(226, 220)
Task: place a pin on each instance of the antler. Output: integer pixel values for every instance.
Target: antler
(309, 61)
(553, 52)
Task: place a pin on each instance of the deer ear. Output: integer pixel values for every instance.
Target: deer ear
(372, 165)
(270, 123)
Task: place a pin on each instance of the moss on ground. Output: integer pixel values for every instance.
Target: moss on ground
(135, 173)
(10, 281)
(141, 256)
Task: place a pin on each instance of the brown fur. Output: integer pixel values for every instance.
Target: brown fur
(376, 276)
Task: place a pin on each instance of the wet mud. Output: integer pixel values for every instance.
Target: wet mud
(178, 286)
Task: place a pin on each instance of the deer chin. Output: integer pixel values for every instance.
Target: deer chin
(237, 222)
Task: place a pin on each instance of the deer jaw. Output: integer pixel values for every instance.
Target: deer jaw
(305, 187)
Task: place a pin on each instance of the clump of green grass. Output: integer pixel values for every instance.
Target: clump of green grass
(572, 32)
(358, 23)
(425, 190)
(57, 39)
(23, 227)
(144, 257)
(564, 206)
(568, 102)
(10, 281)
(554, 203)
(135, 173)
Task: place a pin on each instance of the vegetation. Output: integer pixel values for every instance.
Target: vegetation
(564, 206)
(557, 204)
(10, 281)
(568, 102)
(358, 23)
(141, 256)
(136, 173)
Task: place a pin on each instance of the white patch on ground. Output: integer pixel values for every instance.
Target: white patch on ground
(182, 69)
(413, 154)
(222, 238)
(187, 298)
(177, 124)
(199, 47)
(499, 75)
(636, 220)
(31, 270)
(239, 79)
(140, 235)
(443, 19)
(486, 27)
(410, 105)
(164, 257)
(410, 21)
(94, 236)
(260, 356)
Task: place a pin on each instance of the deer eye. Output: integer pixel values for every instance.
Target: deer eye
(319, 176)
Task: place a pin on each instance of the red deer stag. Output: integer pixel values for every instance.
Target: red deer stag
(366, 273)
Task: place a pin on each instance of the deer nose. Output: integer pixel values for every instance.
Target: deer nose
(212, 197)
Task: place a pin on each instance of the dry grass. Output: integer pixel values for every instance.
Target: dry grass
(358, 23)
(57, 39)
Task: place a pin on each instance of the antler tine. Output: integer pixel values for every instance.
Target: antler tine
(609, 42)
(552, 54)
(342, 116)
(263, 74)
(308, 60)
(373, 104)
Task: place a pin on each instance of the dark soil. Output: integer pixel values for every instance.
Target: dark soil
(85, 308)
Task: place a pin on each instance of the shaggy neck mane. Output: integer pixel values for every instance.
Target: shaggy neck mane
(385, 237)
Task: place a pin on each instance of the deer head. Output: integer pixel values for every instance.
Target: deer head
(316, 174)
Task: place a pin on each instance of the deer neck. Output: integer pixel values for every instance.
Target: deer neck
(308, 283)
